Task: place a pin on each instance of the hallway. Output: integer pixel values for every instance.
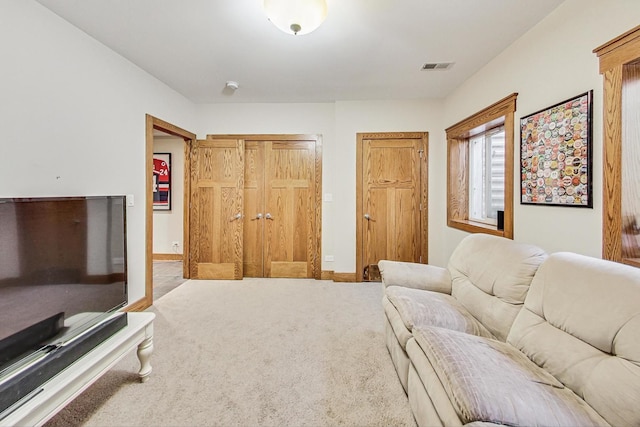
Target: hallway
(167, 275)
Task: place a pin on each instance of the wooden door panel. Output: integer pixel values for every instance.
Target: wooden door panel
(253, 236)
(302, 209)
(392, 164)
(288, 230)
(204, 219)
(289, 269)
(392, 192)
(276, 236)
(217, 174)
(405, 235)
(375, 230)
(290, 190)
(216, 271)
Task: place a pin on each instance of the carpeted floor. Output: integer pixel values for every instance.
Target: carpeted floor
(256, 352)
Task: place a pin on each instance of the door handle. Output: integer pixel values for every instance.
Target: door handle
(238, 216)
(268, 216)
(368, 217)
(259, 216)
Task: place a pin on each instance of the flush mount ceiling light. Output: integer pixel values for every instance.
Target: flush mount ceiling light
(296, 16)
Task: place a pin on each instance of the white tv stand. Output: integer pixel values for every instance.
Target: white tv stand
(55, 394)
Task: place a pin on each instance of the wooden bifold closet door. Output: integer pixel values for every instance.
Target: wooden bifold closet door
(280, 206)
(253, 237)
(217, 174)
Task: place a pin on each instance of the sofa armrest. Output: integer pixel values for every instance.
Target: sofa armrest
(414, 275)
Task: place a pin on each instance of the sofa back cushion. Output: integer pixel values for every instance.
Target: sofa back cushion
(581, 323)
(490, 276)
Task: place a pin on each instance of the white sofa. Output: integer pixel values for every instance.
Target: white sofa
(480, 292)
(568, 356)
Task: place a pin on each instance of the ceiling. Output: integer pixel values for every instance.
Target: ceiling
(365, 49)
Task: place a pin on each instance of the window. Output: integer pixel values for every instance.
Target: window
(620, 66)
(480, 170)
(486, 176)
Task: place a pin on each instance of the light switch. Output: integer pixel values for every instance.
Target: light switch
(130, 201)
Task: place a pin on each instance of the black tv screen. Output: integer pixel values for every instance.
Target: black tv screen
(61, 258)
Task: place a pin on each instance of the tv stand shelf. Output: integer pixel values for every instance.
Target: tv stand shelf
(56, 393)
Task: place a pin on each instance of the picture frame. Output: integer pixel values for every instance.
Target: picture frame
(556, 154)
(161, 181)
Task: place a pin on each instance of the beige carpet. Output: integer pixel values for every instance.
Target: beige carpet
(257, 352)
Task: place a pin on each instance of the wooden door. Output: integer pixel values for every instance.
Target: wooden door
(290, 216)
(253, 234)
(281, 204)
(217, 174)
(392, 199)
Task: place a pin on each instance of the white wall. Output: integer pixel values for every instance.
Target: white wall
(373, 116)
(72, 116)
(552, 62)
(168, 225)
(338, 123)
(280, 119)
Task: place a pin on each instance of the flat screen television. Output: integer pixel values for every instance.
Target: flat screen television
(63, 269)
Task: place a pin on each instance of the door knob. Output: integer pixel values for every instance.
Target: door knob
(268, 216)
(258, 216)
(368, 217)
(237, 216)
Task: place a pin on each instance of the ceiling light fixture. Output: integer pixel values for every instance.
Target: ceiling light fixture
(296, 16)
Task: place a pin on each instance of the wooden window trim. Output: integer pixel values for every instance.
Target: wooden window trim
(499, 114)
(614, 56)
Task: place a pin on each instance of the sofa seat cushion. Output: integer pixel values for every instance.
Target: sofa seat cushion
(425, 308)
(490, 381)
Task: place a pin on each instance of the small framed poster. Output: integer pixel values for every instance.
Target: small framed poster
(161, 181)
(555, 154)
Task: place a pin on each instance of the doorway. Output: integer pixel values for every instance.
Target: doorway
(168, 222)
(262, 193)
(153, 123)
(391, 199)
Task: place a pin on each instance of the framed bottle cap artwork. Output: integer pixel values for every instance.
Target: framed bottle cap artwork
(556, 143)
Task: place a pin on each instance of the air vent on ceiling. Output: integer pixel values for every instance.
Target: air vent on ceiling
(436, 66)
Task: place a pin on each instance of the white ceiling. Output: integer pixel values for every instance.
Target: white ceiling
(365, 49)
